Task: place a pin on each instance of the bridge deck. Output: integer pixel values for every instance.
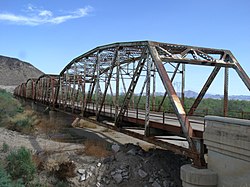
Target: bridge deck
(134, 122)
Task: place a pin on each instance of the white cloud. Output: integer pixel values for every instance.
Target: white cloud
(45, 13)
(37, 16)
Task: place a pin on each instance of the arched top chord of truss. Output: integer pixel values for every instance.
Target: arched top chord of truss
(52, 76)
(164, 52)
(31, 80)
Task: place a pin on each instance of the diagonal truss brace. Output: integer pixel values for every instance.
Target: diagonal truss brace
(107, 85)
(204, 90)
(131, 88)
(166, 93)
(176, 103)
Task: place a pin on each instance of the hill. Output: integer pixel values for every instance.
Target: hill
(14, 72)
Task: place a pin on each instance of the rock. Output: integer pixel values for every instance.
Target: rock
(99, 164)
(141, 153)
(75, 122)
(125, 177)
(166, 184)
(115, 148)
(81, 171)
(83, 177)
(142, 173)
(132, 152)
(92, 168)
(99, 178)
(124, 166)
(156, 184)
(89, 174)
(106, 160)
(162, 173)
(151, 180)
(118, 178)
(98, 184)
(106, 180)
(125, 173)
(119, 171)
(171, 184)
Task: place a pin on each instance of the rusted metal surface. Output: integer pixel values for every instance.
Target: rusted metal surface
(46, 89)
(204, 90)
(125, 74)
(225, 108)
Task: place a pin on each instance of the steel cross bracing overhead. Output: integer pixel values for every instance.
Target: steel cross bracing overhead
(119, 77)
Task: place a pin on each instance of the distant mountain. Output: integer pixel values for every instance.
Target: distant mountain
(14, 72)
(240, 97)
(192, 94)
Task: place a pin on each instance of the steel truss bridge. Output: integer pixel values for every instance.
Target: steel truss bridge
(111, 82)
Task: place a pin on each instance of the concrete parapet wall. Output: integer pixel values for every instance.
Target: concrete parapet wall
(228, 143)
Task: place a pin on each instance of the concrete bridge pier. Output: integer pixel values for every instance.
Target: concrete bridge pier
(194, 177)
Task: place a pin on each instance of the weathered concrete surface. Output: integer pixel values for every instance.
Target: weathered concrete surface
(228, 143)
(193, 177)
(52, 117)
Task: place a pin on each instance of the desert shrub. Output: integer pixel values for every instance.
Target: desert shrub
(9, 106)
(5, 179)
(62, 184)
(66, 170)
(37, 183)
(20, 165)
(5, 147)
(23, 122)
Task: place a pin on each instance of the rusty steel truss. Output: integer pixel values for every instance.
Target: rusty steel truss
(109, 77)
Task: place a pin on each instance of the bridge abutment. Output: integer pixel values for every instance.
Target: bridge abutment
(228, 144)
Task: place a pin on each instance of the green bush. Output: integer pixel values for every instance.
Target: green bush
(23, 122)
(20, 165)
(5, 180)
(9, 106)
(62, 184)
(5, 148)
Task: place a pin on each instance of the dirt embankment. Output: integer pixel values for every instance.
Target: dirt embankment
(96, 163)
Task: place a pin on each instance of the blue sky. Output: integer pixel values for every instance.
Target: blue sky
(49, 34)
